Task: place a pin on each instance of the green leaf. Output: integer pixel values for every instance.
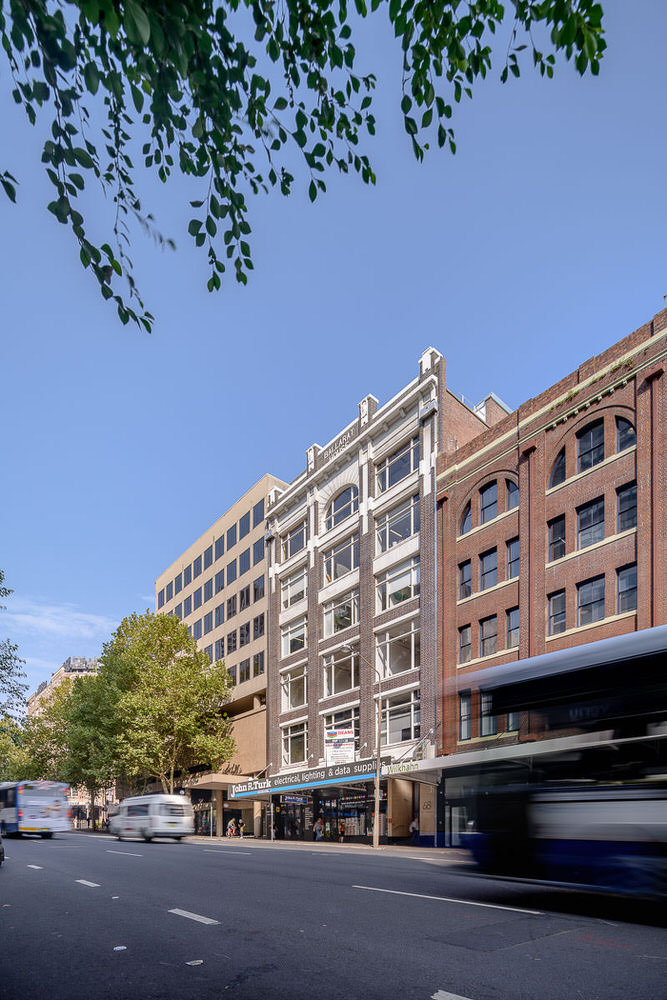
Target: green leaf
(91, 77)
(138, 21)
(312, 191)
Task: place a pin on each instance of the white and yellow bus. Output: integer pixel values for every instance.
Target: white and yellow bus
(40, 807)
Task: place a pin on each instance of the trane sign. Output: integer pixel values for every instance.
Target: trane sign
(338, 773)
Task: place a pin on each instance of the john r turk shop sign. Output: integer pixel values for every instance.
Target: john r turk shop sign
(360, 770)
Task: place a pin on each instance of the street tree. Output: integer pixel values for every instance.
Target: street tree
(45, 736)
(170, 710)
(14, 758)
(226, 92)
(12, 688)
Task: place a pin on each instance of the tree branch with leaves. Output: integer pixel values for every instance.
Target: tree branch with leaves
(225, 91)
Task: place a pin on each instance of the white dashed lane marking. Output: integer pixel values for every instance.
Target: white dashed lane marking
(448, 899)
(37, 867)
(194, 916)
(128, 854)
(93, 885)
(222, 850)
(443, 995)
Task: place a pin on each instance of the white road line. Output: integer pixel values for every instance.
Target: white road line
(448, 899)
(443, 995)
(129, 854)
(82, 881)
(194, 916)
(38, 867)
(222, 850)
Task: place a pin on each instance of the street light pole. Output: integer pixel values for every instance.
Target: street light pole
(378, 737)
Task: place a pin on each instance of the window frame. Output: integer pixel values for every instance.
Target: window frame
(621, 608)
(511, 494)
(409, 449)
(488, 490)
(386, 637)
(290, 734)
(331, 555)
(590, 523)
(465, 632)
(410, 568)
(465, 715)
(291, 630)
(287, 582)
(513, 562)
(289, 542)
(556, 541)
(621, 512)
(490, 639)
(484, 574)
(625, 429)
(513, 630)
(591, 455)
(333, 608)
(409, 508)
(293, 680)
(556, 615)
(333, 660)
(336, 515)
(598, 603)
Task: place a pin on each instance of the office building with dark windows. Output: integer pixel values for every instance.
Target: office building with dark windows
(218, 588)
(552, 528)
(352, 628)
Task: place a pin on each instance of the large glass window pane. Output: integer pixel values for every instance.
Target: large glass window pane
(512, 628)
(557, 538)
(399, 465)
(590, 443)
(465, 579)
(488, 502)
(625, 434)
(558, 471)
(488, 635)
(513, 558)
(343, 506)
(627, 588)
(340, 672)
(590, 600)
(556, 612)
(627, 507)
(590, 523)
(465, 643)
(488, 563)
(342, 559)
(464, 715)
(488, 722)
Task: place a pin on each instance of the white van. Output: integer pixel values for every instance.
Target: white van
(151, 816)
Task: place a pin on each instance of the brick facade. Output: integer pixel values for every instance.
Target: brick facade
(623, 388)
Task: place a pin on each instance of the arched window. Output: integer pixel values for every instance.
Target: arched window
(344, 505)
(626, 435)
(590, 444)
(512, 497)
(558, 470)
(466, 520)
(488, 502)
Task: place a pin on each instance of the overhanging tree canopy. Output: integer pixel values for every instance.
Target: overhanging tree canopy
(218, 89)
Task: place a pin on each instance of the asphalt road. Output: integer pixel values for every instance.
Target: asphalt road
(84, 916)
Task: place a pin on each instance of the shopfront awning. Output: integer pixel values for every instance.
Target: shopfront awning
(216, 780)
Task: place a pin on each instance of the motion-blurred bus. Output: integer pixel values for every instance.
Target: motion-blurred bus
(581, 799)
(40, 807)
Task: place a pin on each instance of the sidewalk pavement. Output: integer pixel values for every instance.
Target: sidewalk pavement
(439, 855)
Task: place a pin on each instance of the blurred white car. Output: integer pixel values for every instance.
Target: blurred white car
(151, 816)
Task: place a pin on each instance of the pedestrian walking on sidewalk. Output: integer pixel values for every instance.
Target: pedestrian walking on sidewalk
(414, 830)
(341, 831)
(241, 828)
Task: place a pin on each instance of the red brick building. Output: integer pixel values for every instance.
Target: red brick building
(552, 527)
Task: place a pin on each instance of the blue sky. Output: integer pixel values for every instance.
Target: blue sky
(539, 244)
